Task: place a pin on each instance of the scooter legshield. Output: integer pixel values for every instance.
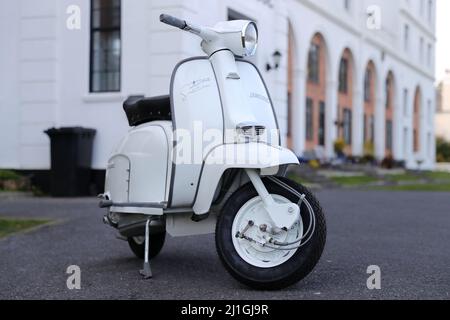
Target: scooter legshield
(238, 156)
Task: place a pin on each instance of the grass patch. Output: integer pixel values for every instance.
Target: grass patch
(298, 179)
(402, 177)
(437, 181)
(438, 175)
(10, 226)
(417, 187)
(354, 180)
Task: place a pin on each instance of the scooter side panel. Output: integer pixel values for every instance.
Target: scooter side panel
(117, 178)
(198, 125)
(148, 153)
(139, 171)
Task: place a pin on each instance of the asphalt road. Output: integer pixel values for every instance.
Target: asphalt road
(406, 234)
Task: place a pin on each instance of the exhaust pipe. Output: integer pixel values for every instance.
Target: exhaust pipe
(107, 221)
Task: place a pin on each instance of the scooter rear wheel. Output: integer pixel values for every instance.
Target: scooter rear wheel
(263, 267)
(137, 245)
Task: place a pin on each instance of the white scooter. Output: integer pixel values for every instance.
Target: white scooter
(208, 158)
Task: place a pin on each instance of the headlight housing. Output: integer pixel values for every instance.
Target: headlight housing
(250, 38)
(239, 36)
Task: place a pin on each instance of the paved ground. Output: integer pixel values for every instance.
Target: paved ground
(406, 234)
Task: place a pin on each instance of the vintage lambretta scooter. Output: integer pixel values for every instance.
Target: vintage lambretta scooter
(208, 158)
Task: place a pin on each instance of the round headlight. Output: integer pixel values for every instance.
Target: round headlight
(250, 39)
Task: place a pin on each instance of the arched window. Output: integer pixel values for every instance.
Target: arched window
(369, 104)
(388, 93)
(345, 100)
(316, 94)
(367, 85)
(343, 75)
(314, 63)
(389, 114)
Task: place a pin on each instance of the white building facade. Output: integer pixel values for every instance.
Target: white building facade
(357, 70)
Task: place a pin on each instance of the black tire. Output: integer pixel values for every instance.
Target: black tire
(156, 244)
(290, 272)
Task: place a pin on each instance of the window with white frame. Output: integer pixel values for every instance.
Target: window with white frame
(430, 11)
(309, 120)
(347, 5)
(105, 66)
(389, 134)
(343, 75)
(406, 37)
(321, 132)
(429, 55)
(405, 102)
(347, 126)
(372, 128)
(387, 90)
(421, 49)
(368, 85)
(314, 63)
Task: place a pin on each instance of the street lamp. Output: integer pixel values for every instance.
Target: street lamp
(339, 124)
(276, 60)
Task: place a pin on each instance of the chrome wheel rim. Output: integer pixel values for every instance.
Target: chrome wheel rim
(253, 252)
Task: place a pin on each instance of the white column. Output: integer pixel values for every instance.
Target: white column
(433, 135)
(397, 134)
(331, 117)
(358, 123)
(423, 133)
(410, 159)
(298, 112)
(432, 155)
(380, 112)
(278, 79)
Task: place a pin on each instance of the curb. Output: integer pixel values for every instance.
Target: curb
(15, 195)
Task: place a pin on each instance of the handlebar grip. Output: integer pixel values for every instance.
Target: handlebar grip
(172, 21)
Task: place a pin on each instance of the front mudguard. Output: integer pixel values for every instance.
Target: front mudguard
(261, 156)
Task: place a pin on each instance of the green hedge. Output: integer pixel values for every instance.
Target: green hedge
(442, 150)
(9, 175)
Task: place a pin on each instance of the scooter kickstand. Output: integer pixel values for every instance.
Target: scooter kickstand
(146, 272)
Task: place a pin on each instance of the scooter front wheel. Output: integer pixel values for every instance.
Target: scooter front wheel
(258, 254)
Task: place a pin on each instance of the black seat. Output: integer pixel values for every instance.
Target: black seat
(141, 110)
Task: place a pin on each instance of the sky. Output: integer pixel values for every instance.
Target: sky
(443, 38)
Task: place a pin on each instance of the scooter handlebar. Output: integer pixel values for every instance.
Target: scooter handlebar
(172, 21)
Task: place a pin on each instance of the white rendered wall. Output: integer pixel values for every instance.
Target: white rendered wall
(30, 97)
(45, 68)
